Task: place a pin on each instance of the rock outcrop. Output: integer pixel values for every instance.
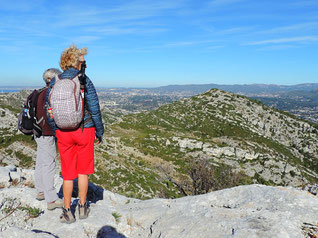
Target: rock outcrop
(244, 211)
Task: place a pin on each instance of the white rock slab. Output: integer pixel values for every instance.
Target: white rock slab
(244, 211)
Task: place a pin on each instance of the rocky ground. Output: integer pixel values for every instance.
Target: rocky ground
(244, 211)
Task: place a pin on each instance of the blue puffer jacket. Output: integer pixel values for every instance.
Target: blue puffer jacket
(91, 104)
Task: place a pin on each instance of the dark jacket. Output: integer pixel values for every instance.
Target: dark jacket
(41, 113)
(92, 108)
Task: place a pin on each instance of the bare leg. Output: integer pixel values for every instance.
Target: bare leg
(67, 192)
(82, 187)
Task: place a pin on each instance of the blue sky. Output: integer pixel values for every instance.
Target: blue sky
(144, 43)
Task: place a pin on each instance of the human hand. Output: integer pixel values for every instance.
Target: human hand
(98, 140)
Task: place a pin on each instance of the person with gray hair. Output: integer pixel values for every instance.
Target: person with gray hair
(45, 164)
(49, 74)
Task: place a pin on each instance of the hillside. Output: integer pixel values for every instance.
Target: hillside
(15, 148)
(207, 142)
(223, 129)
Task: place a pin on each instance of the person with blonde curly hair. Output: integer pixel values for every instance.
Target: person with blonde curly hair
(76, 146)
(70, 57)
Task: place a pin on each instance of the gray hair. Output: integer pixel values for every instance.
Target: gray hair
(50, 73)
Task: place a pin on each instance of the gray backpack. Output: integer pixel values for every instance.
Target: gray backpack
(66, 102)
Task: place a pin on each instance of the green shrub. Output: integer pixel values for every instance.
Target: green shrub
(32, 211)
(206, 178)
(24, 160)
(117, 216)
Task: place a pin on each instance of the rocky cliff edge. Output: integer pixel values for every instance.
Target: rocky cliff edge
(244, 211)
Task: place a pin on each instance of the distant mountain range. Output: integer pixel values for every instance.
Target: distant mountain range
(246, 89)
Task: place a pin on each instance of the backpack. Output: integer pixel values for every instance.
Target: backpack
(27, 121)
(66, 103)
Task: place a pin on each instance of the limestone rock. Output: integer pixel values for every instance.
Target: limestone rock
(244, 211)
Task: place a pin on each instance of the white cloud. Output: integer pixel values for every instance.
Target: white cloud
(302, 39)
(308, 26)
(126, 13)
(276, 47)
(123, 30)
(215, 47)
(236, 30)
(85, 39)
(188, 43)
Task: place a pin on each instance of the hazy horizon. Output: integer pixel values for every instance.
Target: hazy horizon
(252, 84)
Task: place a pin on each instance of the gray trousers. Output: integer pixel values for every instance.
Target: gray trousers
(45, 167)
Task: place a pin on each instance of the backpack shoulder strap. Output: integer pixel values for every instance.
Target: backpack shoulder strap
(34, 100)
(30, 98)
(57, 78)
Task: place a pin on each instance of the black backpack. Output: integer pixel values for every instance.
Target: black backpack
(27, 122)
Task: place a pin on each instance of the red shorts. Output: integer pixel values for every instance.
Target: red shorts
(77, 152)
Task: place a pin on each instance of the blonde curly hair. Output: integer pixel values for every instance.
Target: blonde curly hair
(70, 57)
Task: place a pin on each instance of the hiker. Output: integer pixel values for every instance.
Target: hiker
(76, 145)
(46, 151)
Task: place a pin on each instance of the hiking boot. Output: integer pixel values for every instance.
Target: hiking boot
(55, 204)
(40, 196)
(67, 216)
(83, 210)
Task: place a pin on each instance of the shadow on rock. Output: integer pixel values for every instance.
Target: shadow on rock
(94, 192)
(109, 232)
(44, 232)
